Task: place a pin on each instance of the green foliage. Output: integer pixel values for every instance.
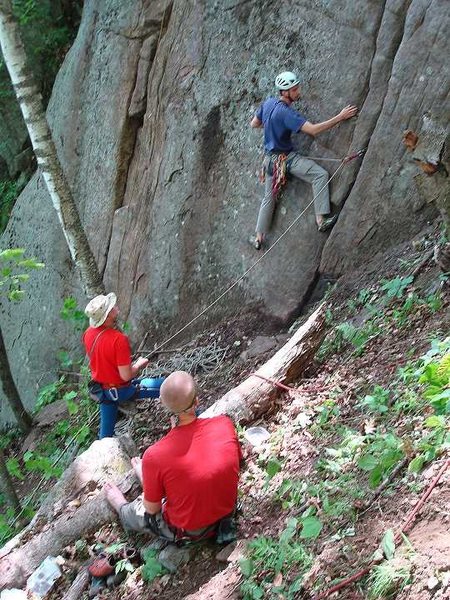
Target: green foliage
(347, 334)
(46, 37)
(382, 453)
(13, 468)
(282, 562)
(273, 467)
(124, 565)
(311, 527)
(71, 313)
(152, 568)
(377, 402)
(388, 578)
(395, 288)
(50, 393)
(35, 462)
(13, 267)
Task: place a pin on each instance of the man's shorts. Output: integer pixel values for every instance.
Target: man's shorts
(132, 517)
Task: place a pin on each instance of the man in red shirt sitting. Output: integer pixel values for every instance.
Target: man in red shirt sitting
(189, 477)
(109, 355)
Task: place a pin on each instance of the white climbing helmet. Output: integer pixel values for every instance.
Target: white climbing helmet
(286, 80)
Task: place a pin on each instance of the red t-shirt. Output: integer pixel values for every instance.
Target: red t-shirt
(111, 349)
(195, 468)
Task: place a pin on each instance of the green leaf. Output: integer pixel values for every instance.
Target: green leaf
(12, 253)
(72, 406)
(16, 295)
(388, 544)
(368, 462)
(30, 263)
(416, 464)
(435, 421)
(290, 530)
(312, 526)
(273, 467)
(246, 566)
(376, 475)
(13, 468)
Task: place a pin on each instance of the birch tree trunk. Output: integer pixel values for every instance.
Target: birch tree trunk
(44, 148)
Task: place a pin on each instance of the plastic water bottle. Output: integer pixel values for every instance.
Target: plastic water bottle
(41, 581)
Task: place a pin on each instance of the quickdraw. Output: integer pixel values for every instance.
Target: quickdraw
(279, 174)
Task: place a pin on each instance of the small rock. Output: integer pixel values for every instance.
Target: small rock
(239, 551)
(224, 554)
(172, 557)
(433, 583)
(260, 345)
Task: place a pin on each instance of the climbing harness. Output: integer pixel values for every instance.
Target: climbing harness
(344, 161)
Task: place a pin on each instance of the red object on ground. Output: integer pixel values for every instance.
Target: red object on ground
(101, 567)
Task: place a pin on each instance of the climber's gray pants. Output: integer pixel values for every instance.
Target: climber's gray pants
(306, 170)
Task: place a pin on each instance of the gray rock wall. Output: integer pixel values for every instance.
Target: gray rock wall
(151, 116)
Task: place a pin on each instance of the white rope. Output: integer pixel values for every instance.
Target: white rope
(237, 281)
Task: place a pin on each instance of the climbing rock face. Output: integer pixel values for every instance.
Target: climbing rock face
(151, 113)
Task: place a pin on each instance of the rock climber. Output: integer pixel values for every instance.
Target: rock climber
(280, 121)
(113, 373)
(189, 477)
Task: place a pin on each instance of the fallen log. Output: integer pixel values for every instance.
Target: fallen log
(254, 396)
(66, 518)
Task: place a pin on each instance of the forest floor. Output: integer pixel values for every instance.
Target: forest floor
(351, 450)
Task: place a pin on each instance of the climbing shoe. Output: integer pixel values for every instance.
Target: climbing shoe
(255, 242)
(327, 223)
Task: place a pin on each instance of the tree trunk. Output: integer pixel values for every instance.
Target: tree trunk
(6, 485)
(254, 396)
(32, 109)
(23, 419)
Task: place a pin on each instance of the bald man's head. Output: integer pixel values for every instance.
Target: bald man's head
(178, 392)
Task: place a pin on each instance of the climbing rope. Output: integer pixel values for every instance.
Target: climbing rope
(398, 536)
(344, 161)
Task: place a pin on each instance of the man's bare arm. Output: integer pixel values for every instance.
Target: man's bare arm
(256, 123)
(314, 128)
(128, 372)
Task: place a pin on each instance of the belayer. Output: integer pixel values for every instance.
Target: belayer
(114, 376)
(280, 121)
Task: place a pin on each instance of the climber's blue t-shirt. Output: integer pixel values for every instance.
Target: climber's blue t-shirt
(280, 122)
